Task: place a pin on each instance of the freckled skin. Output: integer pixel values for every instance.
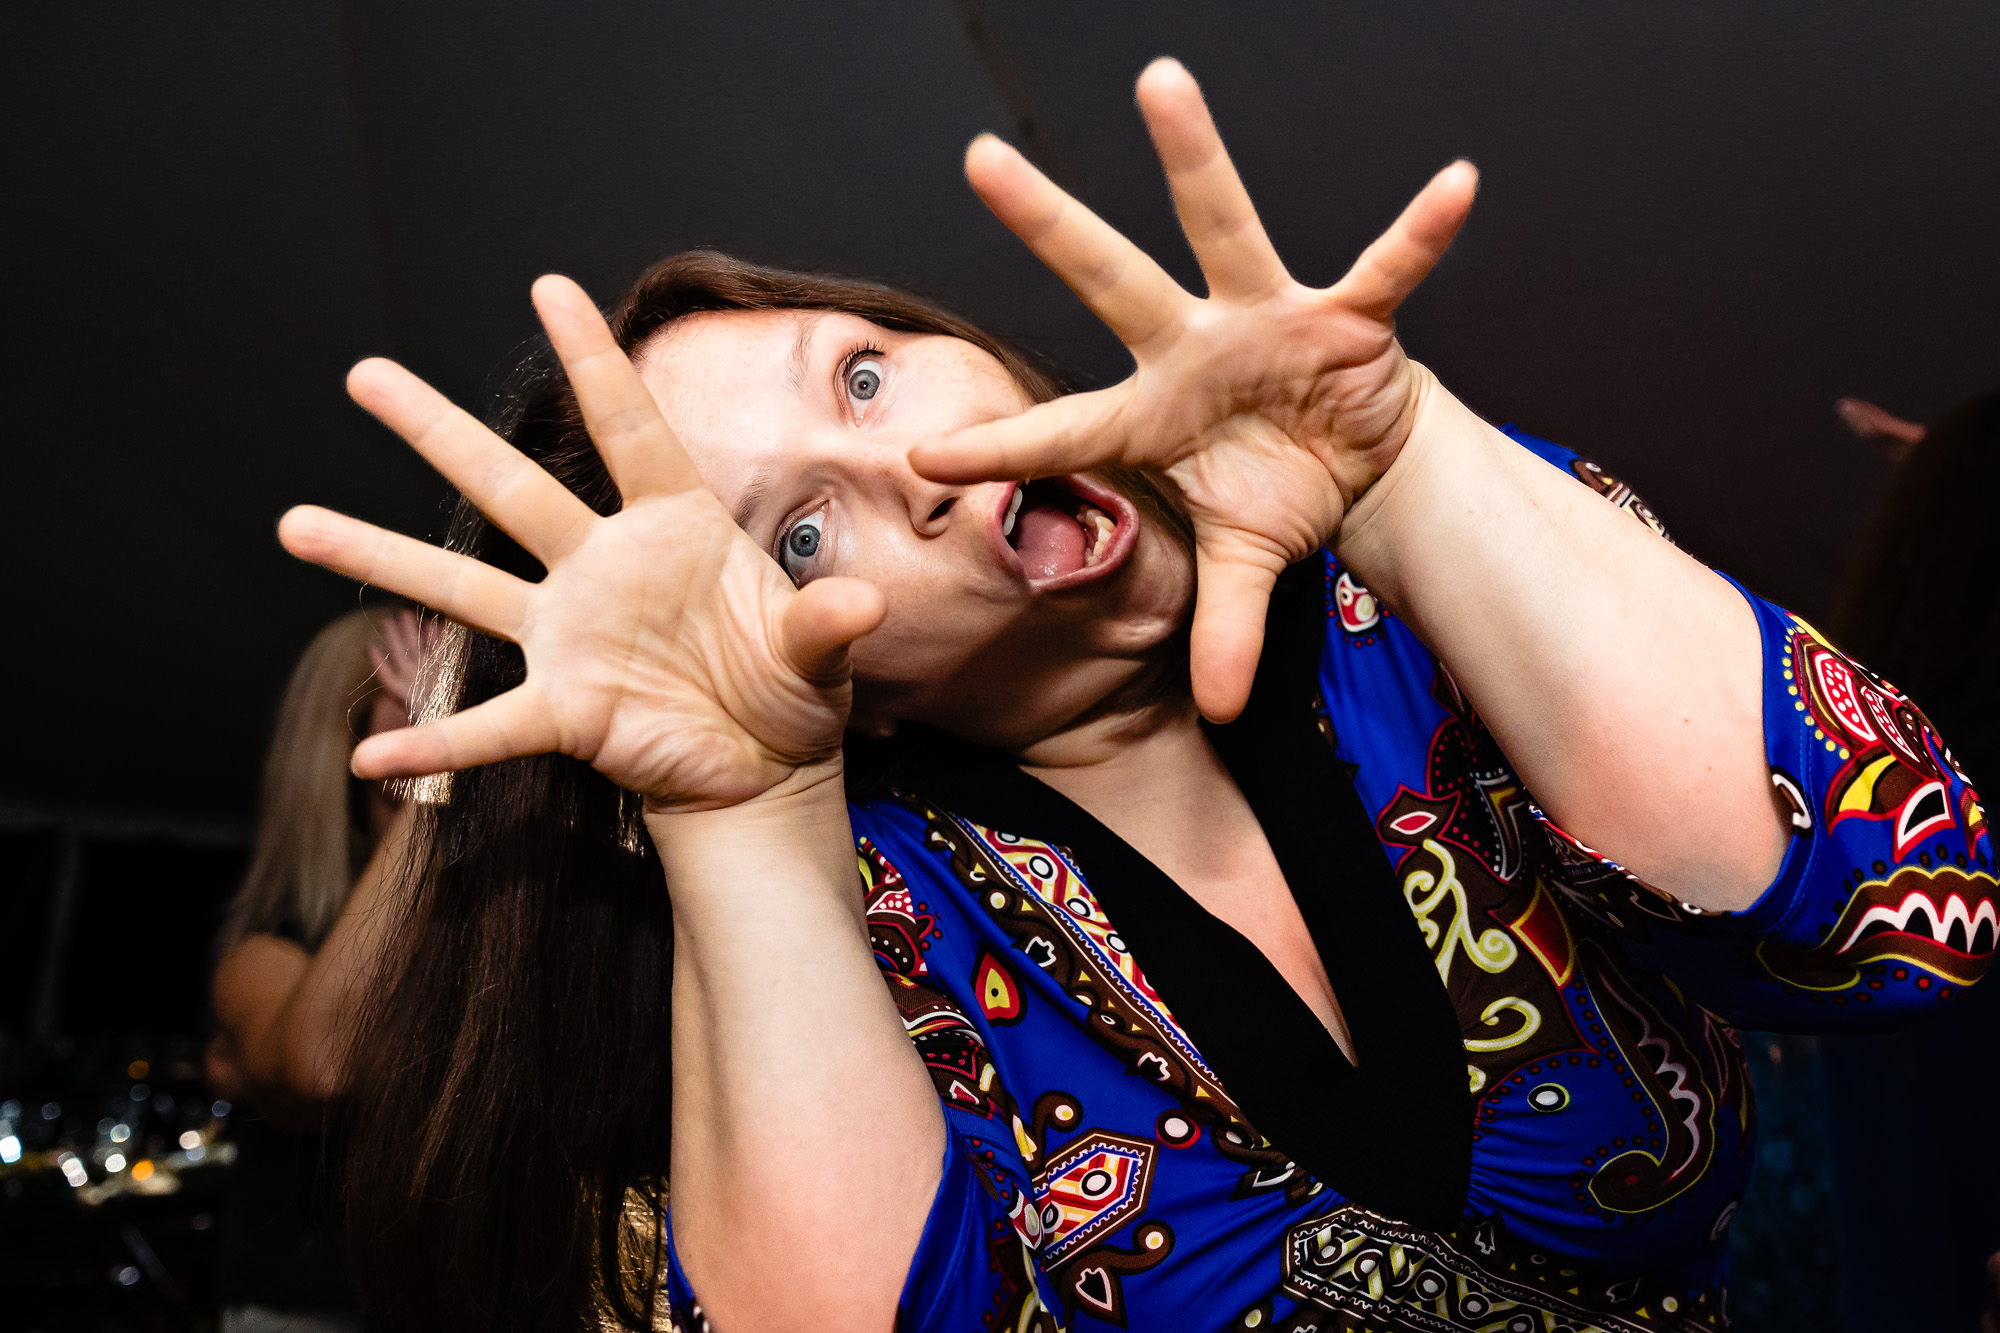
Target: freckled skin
(967, 644)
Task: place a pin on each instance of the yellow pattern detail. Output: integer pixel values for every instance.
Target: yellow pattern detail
(1861, 793)
(1531, 1022)
(1490, 951)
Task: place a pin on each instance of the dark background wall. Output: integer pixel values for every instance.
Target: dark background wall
(1700, 224)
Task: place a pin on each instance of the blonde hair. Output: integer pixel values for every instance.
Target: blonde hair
(312, 835)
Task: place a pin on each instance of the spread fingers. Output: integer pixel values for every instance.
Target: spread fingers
(527, 503)
(1118, 281)
(468, 591)
(505, 727)
(1222, 227)
(637, 445)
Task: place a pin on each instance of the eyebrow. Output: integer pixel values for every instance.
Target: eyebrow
(758, 488)
(795, 364)
(754, 493)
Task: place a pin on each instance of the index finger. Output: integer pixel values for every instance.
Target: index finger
(637, 445)
(1062, 435)
(1118, 281)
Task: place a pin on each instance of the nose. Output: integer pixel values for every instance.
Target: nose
(935, 519)
(932, 506)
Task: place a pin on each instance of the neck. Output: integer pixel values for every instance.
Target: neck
(1152, 778)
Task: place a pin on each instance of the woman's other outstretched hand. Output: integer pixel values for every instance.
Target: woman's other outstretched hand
(663, 647)
(1272, 405)
(669, 651)
(399, 656)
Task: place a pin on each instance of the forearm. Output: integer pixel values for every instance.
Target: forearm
(251, 987)
(1622, 678)
(292, 1014)
(800, 1107)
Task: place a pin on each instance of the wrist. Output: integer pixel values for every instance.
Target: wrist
(1402, 502)
(1365, 470)
(810, 790)
(794, 834)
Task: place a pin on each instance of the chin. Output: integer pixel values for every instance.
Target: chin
(1082, 665)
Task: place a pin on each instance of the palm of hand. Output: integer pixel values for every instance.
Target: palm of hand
(663, 647)
(1255, 407)
(653, 647)
(1272, 405)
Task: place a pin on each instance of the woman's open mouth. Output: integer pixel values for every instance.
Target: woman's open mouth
(1065, 530)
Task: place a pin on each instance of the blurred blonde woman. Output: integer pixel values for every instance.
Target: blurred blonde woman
(294, 953)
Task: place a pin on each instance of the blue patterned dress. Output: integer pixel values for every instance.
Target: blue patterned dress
(1548, 1126)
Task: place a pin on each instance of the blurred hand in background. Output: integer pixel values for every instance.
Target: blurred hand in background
(1878, 426)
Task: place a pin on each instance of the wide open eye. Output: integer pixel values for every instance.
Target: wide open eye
(864, 379)
(800, 544)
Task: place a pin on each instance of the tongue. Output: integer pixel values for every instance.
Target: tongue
(1050, 541)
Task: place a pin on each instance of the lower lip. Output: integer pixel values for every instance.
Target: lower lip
(1124, 536)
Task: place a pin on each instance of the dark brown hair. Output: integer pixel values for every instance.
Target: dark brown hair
(508, 1165)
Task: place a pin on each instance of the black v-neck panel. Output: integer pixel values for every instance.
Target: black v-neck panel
(1392, 1132)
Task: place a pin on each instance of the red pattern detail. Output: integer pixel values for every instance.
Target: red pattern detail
(999, 993)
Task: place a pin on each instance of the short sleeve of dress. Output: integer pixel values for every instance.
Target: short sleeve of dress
(975, 1265)
(968, 1263)
(1884, 907)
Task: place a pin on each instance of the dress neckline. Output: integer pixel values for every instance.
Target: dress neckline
(1393, 1132)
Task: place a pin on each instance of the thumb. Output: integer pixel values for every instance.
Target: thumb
(1232, 592)
(819, 623)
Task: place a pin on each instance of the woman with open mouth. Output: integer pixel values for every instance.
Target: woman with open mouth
(1251, 847)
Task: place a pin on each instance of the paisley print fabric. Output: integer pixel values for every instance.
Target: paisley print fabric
(1101, 1174)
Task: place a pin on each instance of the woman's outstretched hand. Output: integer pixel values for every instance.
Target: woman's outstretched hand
(663, 647)
(1272, 405)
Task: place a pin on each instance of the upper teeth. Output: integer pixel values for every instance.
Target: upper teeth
(1013, 511)
(1100, 526)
